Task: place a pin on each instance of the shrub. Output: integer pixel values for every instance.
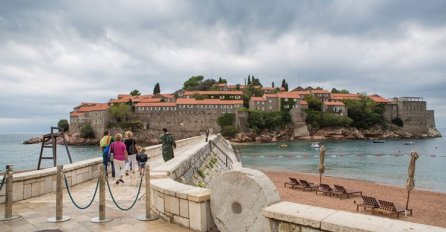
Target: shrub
(200, 173)
(63, 123)
(226, 119)
(228, 131)
(87, 131)
(318, 119)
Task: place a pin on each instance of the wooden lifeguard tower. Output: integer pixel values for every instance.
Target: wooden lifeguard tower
(51, 139)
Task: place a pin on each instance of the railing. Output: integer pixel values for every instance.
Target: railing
(213, 144)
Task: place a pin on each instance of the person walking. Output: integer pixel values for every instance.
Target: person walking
(168, 144)
(119, 156)
(130, 144)
(104, 143)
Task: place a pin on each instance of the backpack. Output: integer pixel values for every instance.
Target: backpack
(132, 148)
(107, 148)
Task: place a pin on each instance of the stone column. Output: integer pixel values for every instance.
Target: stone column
(59, 198)
(148, 216)
(9, 194)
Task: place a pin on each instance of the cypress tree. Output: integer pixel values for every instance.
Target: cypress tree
(272, 84)
(249, 79)
(156, 89)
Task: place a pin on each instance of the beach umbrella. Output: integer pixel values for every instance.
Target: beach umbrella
(410, 184)
(321, 163)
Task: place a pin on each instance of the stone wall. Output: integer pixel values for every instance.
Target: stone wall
(431, 118)
(182, 204)
(40, 182)
(293, 217)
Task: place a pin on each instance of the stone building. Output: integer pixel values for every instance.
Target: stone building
(223, 95)
(94, 114)
(413, 113)
(337, 108)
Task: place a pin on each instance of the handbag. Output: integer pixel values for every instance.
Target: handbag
(110, 152)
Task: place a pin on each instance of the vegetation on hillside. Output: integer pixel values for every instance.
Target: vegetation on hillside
(119, 111)
(87, 131)
(260, 120)
(135, 92)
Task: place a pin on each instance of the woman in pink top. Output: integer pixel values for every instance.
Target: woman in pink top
(119, 156)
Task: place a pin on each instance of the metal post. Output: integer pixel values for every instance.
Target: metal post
(101, 217)
(148, 216)
(59, 198)
(8, 195)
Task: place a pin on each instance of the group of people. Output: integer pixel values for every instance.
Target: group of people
(124, 154)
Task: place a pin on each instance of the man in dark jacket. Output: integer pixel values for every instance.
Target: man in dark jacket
(168, 144)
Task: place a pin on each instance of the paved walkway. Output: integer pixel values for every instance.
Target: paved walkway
(35, 211)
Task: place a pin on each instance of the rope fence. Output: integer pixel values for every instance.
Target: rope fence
(72, 199)
(134, 202)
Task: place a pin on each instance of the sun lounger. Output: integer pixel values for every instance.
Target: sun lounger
(341, 191)
(325, 189)
(306, 185)
(293, 182)
(368, 202)
(388, 207)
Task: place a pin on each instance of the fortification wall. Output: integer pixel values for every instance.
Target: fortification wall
(431, 118)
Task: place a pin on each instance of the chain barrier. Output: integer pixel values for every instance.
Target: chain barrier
(3, 181)
(71, 197)
(134, 202)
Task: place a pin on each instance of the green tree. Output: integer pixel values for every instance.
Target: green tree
(272, 84)
(63, 123)
(87, 131)
(193, 83)
(284, 85)
(206, 85)
(256, 81)
(313, 102)
(334, 90)
(119, 111)
(135, 92)
(249, 79)
(157, 89)
(365, 113)
(226, 119)
(222, 81)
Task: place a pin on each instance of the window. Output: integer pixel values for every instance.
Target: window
(295, 100)
(269, 100)
(222, 97)
(270, 107)
(286, 106)
(286, 99)
(237, 97)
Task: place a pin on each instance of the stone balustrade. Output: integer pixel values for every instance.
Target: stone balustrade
(182, 204)
(287, 216)
(40, 182)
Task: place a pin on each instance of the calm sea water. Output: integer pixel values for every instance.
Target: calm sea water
(363, 160)
(26, 157)
(356, 159)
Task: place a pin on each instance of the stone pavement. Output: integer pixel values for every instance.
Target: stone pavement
(35, 211)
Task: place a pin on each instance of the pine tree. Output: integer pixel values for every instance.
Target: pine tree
(283, 83)
(219, 81)
(286, 87)
(156, 89)
(272, 84)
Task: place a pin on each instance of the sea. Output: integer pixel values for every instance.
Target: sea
(384, 163)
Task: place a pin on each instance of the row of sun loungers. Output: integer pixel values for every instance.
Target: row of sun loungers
(339, 190)
(381, 206)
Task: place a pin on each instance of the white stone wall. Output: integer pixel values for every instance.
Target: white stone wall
(287, 216)
(182, 204)
(40, 182)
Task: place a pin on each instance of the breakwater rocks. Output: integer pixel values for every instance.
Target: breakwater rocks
(72, 140)
(334, 133)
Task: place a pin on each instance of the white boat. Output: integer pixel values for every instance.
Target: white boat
(409, 143)
(315, 145)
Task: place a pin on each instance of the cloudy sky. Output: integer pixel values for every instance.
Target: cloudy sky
(56, 54)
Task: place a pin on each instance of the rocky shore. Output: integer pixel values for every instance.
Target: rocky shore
(71, 140)
(333, 133)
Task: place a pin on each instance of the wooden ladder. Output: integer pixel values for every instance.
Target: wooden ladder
(52, 137)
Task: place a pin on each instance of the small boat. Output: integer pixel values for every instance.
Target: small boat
(315, 145)
(409, 143)
(378, 141)
(283, 145)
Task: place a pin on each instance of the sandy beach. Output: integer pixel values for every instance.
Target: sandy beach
(428, 207)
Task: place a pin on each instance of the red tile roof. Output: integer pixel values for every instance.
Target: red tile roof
(190, 93)
(378, 99)
(147, 100)
(189, 101)
(156, 104)
(88, 108)
(270, 95)
(319, 91)
(342, 96)
(121, 100)
(258, 99)
(333, 103)
(303, 102)
(288, 95)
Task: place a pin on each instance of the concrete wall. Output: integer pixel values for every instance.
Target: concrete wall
(293, 217)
